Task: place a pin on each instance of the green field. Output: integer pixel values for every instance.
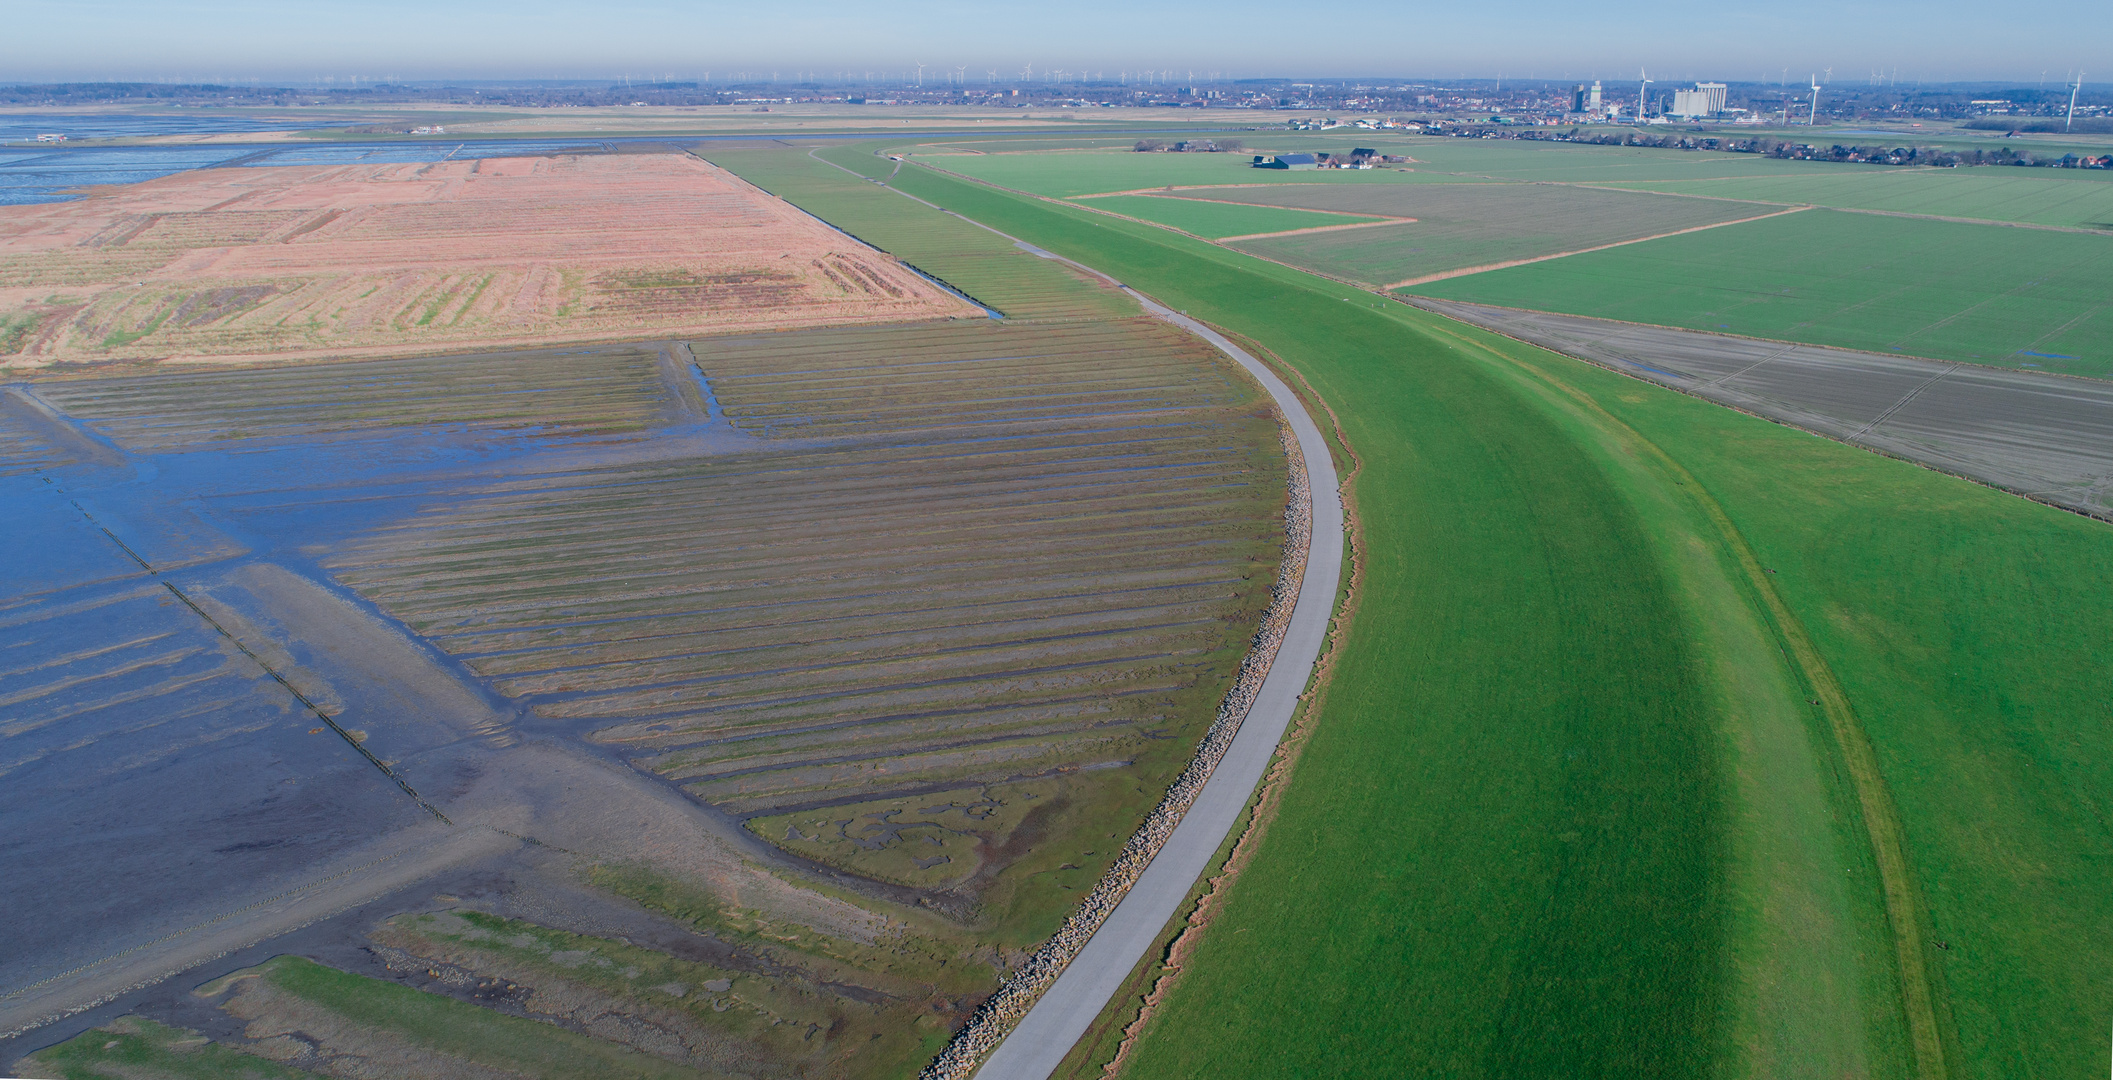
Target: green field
(1465, 225)
(1013, 282)
(1217, 220)
(1709, 573)
(1505, 891)
(1062, 175)
(2069, 198)
(1950, 291)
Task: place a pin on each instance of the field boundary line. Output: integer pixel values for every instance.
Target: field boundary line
(1132, 191)
(1302, 232)
(1361, 286)
(1818, 206)
(1443, 275)
(1905, 912)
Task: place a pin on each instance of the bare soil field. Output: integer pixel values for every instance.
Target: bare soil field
(2042, 436)
(304, 262)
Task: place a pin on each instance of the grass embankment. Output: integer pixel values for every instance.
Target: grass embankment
(974, 261)
(1507, 848)
(1964, 627)
(1983, 294)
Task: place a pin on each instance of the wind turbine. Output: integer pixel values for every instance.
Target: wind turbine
(1643, 82)
(993, 73)
(2074, 89)
(1813, 117)
(920, 74)
(961, 74)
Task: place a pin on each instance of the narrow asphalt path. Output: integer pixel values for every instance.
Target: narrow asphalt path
(1053, 1026)
(1038, 1044)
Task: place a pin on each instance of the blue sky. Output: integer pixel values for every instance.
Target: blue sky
(305, 39)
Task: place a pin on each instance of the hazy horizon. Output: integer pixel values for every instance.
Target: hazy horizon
(339, 40)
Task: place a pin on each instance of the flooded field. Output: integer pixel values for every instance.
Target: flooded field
(649, 640)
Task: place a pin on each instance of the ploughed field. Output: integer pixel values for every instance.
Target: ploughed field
(367, 259)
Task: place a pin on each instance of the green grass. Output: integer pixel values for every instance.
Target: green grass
(15, 330)
(1518, 865)
(136, 1048)
(1063, 175)
(1586, 163)
(1015, 283)
(1964, 626)
(1463, 225)
(1216, 220)
(1950, 291)
(446, 1026)
(1970, 631)
(2068, 198)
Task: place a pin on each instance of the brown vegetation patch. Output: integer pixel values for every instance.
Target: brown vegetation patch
(345, 260)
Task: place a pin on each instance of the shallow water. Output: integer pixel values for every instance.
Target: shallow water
(41, 174)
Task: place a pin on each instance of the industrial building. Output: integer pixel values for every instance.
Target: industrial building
(1706, 99)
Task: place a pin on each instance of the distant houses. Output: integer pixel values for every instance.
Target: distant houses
(1190, 146)
(1360, 158)
(1286, 161)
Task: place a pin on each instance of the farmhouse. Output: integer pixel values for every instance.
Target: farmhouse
(1286, 161)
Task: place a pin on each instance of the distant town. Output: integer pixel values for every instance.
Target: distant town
(1787, 101)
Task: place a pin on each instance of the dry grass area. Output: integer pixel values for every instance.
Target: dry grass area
(307, 262)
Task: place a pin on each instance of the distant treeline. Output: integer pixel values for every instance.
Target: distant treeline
(1785, 148)
(2087, 125)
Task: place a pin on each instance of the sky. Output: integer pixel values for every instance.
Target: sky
(306, 40)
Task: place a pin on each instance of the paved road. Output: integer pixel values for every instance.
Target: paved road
(2047, 437)
(1039, 1043)
(1037, 1046)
